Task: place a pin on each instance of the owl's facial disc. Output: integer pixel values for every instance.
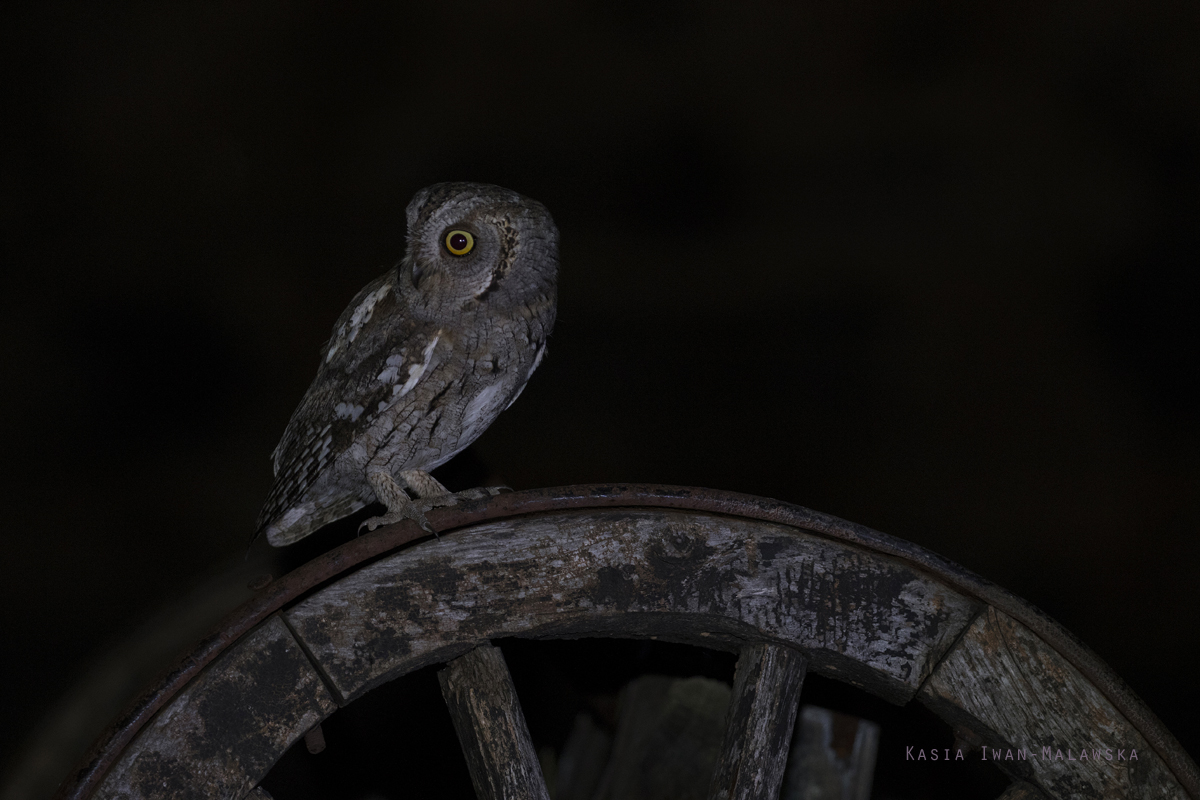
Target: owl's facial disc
(461, 253)
(457, 242)
(474, 245)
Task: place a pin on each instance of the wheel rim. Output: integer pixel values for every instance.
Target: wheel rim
(927, 625)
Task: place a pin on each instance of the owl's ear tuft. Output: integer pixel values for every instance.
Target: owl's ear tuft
(414, 208)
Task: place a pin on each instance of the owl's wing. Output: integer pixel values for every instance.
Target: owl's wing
(374, 357)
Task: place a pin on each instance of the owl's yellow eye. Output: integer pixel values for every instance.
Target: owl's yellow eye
(459, 243)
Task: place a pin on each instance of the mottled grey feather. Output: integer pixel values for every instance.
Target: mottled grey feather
(423, 358)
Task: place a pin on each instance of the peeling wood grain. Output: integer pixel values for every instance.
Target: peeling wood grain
(491, 727)
(713, 581)
(221, 734)
(758, 727)
(1012, 690)
(341, 560)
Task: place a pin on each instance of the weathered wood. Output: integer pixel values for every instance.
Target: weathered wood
(109, 747)
(832, 758)
(860, 617)
(581, 764)
(758, 727)
(1020, 697)
(667, 741)
(491, 727)
(221, 734)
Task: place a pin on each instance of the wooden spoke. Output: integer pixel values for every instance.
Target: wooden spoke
(491, 727)
(758, 731)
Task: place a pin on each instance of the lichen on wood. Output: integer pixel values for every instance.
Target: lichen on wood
(221, 734)
(701, 579)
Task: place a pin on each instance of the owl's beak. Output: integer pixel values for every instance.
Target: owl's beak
(416, 276)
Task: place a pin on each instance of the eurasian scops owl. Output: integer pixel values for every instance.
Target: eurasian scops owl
(420, 363)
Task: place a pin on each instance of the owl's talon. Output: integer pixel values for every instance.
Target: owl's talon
(411, 511)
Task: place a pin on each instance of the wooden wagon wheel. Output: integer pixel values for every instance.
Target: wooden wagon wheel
(786, 588)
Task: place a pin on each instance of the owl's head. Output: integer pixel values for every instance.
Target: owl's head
(473, 245)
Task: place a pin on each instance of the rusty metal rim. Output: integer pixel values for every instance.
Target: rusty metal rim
(328, 565)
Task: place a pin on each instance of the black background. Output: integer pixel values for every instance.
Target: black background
(931, 267)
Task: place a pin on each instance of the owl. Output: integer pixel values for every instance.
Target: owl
(420, 363)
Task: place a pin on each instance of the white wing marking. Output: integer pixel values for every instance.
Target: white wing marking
(415, 371)
(360, 317)
(537, 360)
(481, 410)
(347, 411)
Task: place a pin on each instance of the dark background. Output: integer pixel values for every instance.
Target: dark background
(931, 267)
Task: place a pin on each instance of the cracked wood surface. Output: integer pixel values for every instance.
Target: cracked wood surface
(491, 727)
(867, 618)
(219, 645)
(701, 579)
(758, 727)
(1010, 689)
(221, 734)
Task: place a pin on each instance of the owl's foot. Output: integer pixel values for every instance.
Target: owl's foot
(452, 498)
(409, 511)
(400, 506)
(434, 495)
